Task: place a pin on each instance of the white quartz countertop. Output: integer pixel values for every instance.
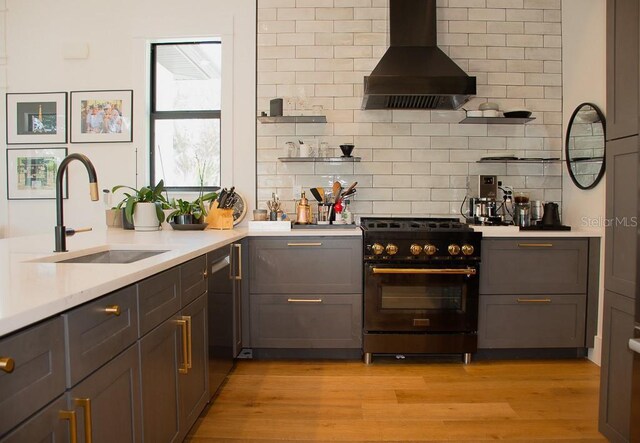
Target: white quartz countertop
(31, 291)
(34, 287)
(514, 231)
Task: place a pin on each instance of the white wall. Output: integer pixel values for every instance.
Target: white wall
(584, 80)
(39, 37)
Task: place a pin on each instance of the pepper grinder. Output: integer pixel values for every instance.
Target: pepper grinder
(303, 211)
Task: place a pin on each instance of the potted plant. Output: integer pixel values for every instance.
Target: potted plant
(143, 207)
(190, 212)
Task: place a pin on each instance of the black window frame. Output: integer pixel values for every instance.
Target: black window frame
(176, 115)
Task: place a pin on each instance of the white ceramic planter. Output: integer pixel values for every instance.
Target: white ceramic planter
(145, 218)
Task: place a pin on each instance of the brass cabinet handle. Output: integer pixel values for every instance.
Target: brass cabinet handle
(305, 244)
(7, 364)
(534, 300)
(205, 274)
(85, 403)
(112, 309)
(187, 318)
(535, 245)
(185, 353)
(440, 271)
(73, 424)
(304, 300)
(238, 246)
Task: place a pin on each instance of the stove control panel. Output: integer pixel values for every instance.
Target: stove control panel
(423, 248)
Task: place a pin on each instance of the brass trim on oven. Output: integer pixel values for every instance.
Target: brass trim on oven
(437, 271)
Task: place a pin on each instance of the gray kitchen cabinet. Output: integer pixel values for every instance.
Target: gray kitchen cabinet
(317, 321)
(174, 372)
(622, 68)
(616, 368)
(107, 403)
(305, 265)
(161, 357)
(38, 375)
(621, 209)
(194, 385)
(538, 293)
(46, 425)
(158, 298)
(517, 321)
(305, 293)
(98, 331)
(193, 279)
(534, 266)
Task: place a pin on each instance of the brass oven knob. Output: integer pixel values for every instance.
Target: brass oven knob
(430, 249)
(454, 249)
(467, 249)
(377, 248)
(415, 249)
(391, 249)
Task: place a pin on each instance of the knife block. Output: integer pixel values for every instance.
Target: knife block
(219, 218)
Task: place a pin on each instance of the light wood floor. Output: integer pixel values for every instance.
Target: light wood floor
(551, 401)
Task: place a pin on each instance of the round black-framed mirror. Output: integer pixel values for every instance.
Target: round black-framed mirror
(585, 146)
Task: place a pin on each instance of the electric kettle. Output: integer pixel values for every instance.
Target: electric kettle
(551, 216)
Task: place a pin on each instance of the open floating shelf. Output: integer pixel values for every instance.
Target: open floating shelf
(496, 120)
(519, 160)
(293, 119)
(321, 159)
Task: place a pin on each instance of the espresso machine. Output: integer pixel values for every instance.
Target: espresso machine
(483, 210)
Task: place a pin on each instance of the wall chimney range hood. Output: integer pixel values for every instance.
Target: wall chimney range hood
(414, 73)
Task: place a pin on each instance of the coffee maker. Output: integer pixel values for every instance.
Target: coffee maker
(484, 209)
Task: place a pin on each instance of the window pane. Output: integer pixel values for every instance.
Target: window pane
(188, 77)
(185, 147)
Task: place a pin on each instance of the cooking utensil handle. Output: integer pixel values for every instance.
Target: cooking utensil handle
(534, 300)
(304, 300)
(445, 271)
(535, 245)
(305, 244)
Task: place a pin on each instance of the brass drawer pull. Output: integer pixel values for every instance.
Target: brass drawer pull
(113, 309)
(534, 300)
(305, 244)
(467, 271)
(187, 318)
(239, 247)
(185, 352)
(73, 424)
(304, 300)
(85, 403)
(535, 245)
(7, 364)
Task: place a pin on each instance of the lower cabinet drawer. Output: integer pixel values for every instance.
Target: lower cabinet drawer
(316, 321)
(37, 354)
(531, 321)
(45, 426)
(100, 330)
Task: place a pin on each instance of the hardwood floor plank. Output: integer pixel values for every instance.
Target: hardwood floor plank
(525, 401)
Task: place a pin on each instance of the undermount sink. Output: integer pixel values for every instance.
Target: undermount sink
(113, 256)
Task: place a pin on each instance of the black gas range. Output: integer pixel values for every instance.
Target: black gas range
(421, 284)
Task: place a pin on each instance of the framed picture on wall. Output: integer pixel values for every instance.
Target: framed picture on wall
(101, 116)
(36, 118)
(31, 173)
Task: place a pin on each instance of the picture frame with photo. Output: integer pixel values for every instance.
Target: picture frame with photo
(31, 173)
(101, 116)
(36, 118)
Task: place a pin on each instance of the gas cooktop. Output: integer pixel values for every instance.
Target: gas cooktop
(414, 224)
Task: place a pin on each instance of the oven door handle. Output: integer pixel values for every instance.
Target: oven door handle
(437, 271)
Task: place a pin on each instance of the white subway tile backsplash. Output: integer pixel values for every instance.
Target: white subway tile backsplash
(487, 14)
(412, 194)
(334, 14)
(315, 54)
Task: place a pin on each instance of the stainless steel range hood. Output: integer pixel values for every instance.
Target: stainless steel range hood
(414, 73)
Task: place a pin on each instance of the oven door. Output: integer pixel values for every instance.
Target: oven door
(420, 298)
